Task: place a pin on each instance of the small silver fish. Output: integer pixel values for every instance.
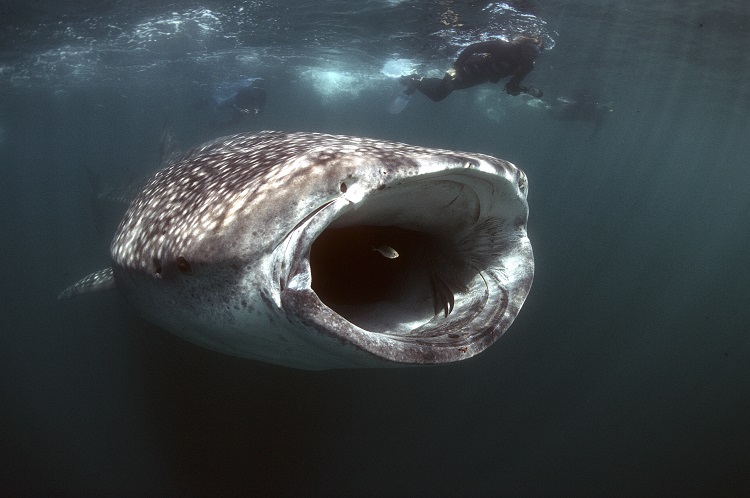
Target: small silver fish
(386, 251)
(242, 245)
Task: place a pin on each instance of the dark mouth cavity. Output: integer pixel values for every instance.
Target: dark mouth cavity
(383, 277)
(349, 267)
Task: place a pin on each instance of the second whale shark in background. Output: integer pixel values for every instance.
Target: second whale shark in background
(261, 246)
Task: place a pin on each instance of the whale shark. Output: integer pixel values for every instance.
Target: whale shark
(260, 245)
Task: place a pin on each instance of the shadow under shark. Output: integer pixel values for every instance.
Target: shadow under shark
(263, 245)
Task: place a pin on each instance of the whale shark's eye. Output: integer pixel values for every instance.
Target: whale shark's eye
(183, 266)
(343, 187)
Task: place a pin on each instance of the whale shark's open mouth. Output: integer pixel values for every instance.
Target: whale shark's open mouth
(429, 270)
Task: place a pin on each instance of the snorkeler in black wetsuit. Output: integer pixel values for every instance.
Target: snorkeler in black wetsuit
(483, 62)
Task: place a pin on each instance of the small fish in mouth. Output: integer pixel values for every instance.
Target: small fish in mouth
(270, 246)
(386, 251)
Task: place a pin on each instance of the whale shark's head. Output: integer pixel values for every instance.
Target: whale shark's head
(320, 251)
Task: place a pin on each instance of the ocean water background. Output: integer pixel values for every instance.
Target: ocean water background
(627, 371)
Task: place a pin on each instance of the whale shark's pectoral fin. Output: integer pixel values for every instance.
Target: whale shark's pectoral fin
(97, 281)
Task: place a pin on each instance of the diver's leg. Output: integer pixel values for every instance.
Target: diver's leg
(434, 88)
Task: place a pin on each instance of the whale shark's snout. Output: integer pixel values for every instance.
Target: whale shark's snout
(319, 251)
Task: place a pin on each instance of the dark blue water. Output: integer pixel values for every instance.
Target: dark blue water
(627, 371)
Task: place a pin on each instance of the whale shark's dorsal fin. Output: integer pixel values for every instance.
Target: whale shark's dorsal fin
(97, 281)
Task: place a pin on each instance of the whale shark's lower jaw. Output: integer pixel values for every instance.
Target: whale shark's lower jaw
(462, 270)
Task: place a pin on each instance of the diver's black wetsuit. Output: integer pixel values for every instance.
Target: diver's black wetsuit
(483, 62)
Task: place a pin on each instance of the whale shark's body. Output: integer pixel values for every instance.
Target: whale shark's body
(261, 246)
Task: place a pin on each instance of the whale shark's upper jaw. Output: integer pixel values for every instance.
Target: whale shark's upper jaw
(462, 269)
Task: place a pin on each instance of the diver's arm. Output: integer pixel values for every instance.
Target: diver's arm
(514, 85)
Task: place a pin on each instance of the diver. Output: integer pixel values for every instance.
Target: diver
(231, 102)
(488, 61)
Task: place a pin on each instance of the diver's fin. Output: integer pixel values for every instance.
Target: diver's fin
(97, 281)
(533, 91)
(400, 102)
